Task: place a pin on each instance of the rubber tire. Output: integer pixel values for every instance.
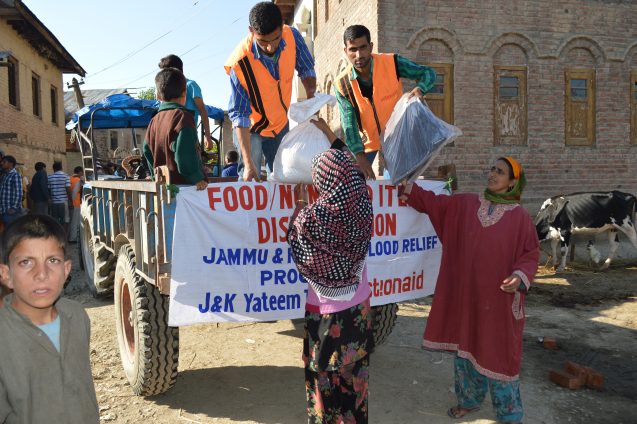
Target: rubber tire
(97, 261)
(384, 321)
(149, 348)
(86, 254)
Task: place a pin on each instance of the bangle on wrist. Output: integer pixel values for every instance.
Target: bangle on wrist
(301, 201)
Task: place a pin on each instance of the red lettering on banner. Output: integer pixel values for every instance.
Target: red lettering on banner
(230, 199)
(384, 224)
(272, 230)
(261, 197)
(212, 198)
(390, 195)
(285, 196)
(246, 197)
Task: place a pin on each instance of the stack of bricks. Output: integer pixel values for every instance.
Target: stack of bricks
(575, 376)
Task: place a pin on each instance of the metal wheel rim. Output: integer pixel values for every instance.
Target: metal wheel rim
(126, 317)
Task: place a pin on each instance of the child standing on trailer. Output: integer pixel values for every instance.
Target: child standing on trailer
(171, 138)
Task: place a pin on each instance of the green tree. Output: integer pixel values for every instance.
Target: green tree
(147, 94)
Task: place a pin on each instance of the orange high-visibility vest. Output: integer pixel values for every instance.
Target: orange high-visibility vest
(269, 98)
(372, 115)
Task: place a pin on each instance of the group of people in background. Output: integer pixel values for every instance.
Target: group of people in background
(56, 194)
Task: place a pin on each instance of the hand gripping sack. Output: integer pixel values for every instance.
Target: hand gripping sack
(293, 160)
(412, 138)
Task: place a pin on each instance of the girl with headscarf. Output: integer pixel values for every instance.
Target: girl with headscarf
(330, 239)
(490, 256)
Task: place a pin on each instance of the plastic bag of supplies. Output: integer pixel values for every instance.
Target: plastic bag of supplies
(293, 160)
(412, 137)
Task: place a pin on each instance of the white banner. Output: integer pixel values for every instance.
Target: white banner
(231, 260)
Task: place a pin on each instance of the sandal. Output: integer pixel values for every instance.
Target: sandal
(459, 412)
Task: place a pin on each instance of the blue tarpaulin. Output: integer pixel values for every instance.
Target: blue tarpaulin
(123, 111)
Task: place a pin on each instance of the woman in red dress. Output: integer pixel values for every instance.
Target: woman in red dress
(490, 256)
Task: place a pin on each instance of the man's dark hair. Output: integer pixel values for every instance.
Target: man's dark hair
(10, 159)
(31, 227)
(356, 31)
(57, 166)
(171, 61)
(78, 169)
(265, 17)
(39, 166)
(232, 156)
(170, 84)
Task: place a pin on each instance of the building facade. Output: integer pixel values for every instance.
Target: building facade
(31, 91)
(553, 83)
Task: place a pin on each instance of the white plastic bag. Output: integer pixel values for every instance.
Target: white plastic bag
(293, 160)
(412, 137)
(302, 111)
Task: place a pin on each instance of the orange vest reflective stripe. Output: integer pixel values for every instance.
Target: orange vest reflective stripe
(269, 98)
(372, 115)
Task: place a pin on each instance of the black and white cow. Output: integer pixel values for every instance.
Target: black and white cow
(592, 213)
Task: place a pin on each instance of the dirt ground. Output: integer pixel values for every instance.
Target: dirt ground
(252, 373)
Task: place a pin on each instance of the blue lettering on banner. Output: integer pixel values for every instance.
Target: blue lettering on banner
(216, 306)
(380, 248)
(418, 244)
(266, 303)
(282, 276)
(236, 256)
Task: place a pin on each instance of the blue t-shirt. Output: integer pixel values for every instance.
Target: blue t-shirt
(230, 170)
(192, 91)
(52, 330)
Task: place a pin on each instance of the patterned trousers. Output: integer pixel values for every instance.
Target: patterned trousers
(471, 388)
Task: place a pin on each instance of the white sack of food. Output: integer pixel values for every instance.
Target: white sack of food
(412, 138)
(293, 160)
(302, 111)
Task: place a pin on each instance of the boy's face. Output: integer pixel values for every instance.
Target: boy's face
(36, 272)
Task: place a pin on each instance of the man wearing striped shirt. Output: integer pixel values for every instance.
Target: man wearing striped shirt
(368, 90)
(60, 188)
(10, 191)
(261, 71)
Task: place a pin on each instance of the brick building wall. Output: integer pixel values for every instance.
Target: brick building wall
(328, 41)
(548, 38)
(37, 138)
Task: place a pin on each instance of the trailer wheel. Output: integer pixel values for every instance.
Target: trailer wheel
(149, 348)
(97, 261)
(86, 252)
(384, 321)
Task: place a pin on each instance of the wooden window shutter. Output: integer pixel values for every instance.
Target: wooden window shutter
(633, 107)
(440, 97)
(579, 113)
(510, 105)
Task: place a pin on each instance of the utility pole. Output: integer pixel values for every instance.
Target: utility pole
(75, 85)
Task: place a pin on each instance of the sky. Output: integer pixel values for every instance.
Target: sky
(119, 42)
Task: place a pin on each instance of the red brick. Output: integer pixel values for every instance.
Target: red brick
(549, 343)
(565, 379)
(577, 370)
(594, 379)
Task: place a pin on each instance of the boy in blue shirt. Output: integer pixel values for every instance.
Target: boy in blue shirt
(45, 371)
